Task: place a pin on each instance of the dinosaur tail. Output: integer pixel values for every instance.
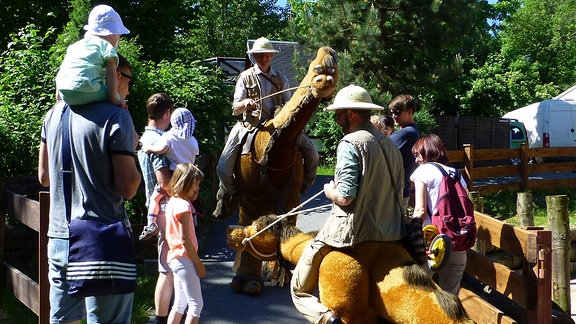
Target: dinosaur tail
(414, 240)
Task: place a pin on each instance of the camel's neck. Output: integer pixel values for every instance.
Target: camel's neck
(292, 118)
(293, 247)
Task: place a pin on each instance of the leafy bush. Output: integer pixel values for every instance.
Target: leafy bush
(26, 93)
(196, 87)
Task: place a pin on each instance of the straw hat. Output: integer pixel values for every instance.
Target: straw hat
(353, 97)
(103, 21)
(262, 45)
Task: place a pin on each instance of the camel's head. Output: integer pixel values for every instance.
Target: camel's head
(323, 73)
(263, 245)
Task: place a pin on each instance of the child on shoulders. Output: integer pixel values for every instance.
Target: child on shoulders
(88, 71)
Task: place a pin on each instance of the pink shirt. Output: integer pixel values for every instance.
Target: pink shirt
(176, 208)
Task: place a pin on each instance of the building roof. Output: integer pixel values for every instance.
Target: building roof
(283, 61)
(231, 67)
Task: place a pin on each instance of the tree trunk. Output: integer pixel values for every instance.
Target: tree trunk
(559, 224)
(524, 209)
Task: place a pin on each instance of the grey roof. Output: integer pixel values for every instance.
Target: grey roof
(231, 67)
(283, 61)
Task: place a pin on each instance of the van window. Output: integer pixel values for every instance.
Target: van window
(516, 133)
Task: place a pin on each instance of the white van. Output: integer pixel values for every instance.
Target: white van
(549, 123)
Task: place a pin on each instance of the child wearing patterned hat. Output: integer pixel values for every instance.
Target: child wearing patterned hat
(179, 146)
(88, 71)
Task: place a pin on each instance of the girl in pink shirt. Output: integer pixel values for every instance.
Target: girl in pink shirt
(181, 237)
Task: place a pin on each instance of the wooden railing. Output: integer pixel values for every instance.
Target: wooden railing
(34, 293)
(504, 176)
(525, 294)
(34, 214)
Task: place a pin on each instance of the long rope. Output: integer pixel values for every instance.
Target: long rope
(277, 92)
(290, 213)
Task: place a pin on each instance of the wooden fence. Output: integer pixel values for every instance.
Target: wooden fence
(34, 293)
(529, 289)
(504, 176)
(494, 293)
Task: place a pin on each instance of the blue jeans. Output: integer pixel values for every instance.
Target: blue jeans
(111, 309)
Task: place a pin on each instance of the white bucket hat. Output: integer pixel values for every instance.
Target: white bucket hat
(262, 45)
(353, 97)
(103, 21)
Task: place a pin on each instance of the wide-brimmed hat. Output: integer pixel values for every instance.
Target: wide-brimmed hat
(103, 21)
(183, 123)
(353, 97)
(262, 45)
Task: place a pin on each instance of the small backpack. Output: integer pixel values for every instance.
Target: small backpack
(454, 214)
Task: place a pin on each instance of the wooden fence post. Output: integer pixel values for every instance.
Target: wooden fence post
(469, 163)
(480, 246)
(43, 283)
(523, 172)
(3, 209)
(524, 209)
(559, 224)
(477, 201)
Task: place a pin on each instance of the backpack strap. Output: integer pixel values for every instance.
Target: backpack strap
(66, 160)
(444, 173)
(439, 167)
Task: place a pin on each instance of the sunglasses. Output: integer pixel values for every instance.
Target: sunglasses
(130, 77)
(396, 112)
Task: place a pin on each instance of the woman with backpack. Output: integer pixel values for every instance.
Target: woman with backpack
(431, 158)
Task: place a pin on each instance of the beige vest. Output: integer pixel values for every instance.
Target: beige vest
(253, 90)
(374, 215)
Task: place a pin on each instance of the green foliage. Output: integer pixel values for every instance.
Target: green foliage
(424, 48)
(326, 129)
(160, 25)
(190, 85)
(535, 62)
(221, 28)
(16, 14)
(79, 11)
(502, 205)
(500, 86)
(26, 94)
(425, 121)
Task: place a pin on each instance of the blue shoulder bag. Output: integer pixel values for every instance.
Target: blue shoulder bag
(102, 257)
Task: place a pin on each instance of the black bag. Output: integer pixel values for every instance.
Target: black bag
(101, 259)
(101, 256)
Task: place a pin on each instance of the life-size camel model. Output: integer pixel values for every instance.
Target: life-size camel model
(370, 283)
(270, 176)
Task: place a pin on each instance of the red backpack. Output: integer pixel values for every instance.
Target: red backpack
(454, 214)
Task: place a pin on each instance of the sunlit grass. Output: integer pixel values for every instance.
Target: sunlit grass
(325, 170)
(16, 312)
(503, 206)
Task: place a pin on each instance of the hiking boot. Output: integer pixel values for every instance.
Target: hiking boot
(149, 231)
(225, 207)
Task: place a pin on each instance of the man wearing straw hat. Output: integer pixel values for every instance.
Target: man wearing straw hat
(260, 91)
(366, 201)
